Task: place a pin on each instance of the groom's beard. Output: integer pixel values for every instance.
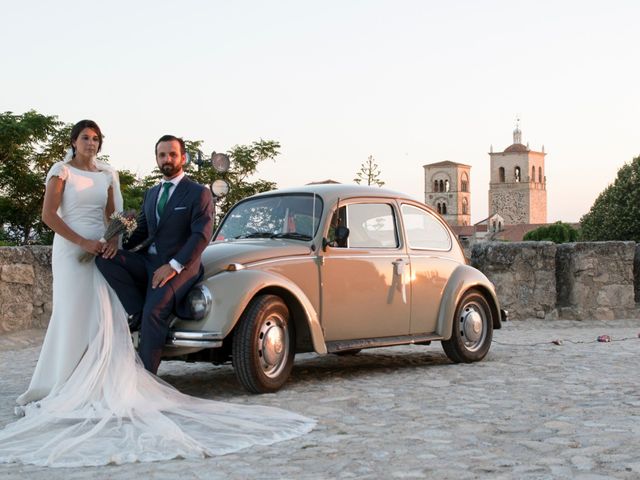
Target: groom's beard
(169, 170)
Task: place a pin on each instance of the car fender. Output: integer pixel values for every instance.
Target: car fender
(462, 279)
(233, 290)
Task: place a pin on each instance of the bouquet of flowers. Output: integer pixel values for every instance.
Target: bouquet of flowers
(119, 223)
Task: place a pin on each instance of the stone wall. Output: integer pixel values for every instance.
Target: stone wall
(595, 280)
(578, 281)
(25, 288)
(599, 280)
(636, 273)
(524, 274)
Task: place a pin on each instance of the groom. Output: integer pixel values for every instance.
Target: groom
(174, 227)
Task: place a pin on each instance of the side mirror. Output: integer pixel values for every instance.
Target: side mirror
(340, 236)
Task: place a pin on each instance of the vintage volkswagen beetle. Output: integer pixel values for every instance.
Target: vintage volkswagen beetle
(331, 269)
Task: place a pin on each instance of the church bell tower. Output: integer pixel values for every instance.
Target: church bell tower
(518, 185)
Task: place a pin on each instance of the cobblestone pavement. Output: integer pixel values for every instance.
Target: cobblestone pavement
(531, 409)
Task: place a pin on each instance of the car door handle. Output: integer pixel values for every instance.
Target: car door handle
(398, 269)
(398, 266)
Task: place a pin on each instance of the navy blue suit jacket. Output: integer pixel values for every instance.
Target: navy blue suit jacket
(183, 231)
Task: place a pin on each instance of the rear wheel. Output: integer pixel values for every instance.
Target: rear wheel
(472, 329)
(264, 345)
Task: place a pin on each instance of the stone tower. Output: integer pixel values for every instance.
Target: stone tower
(447, 190)
(518, 185)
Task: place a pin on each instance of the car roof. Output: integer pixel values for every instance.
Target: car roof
(332, 192)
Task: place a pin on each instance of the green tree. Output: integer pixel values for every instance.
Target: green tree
(615, 215)
(132, 189)
(29, 144)
(369, 173)
(558, 232)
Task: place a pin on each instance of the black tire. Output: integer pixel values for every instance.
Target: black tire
(472, 329)
(264, 345)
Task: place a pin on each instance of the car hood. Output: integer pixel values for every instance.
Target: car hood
(219, 255)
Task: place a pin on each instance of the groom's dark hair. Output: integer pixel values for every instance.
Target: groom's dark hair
(171, 138)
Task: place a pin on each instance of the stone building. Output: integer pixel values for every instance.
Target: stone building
(518, 185)
(447, 189)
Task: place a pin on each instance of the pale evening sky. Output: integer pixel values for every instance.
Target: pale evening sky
(409, 82)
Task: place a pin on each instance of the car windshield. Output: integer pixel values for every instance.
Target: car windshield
(295, 216)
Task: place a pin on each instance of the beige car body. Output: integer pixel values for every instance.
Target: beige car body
(339, 299)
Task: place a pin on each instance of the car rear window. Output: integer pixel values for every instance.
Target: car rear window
(424, 230)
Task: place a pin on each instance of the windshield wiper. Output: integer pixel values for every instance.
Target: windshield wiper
(293, 235)
(256, 235)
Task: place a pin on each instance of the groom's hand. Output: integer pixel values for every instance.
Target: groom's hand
(162, 275)
(110, 248)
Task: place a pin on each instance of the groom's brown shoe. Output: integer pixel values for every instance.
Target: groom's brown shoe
(135, 320)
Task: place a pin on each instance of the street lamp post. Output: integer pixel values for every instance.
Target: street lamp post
(219, 188)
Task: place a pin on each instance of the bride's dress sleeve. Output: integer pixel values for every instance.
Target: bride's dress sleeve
(58, 169)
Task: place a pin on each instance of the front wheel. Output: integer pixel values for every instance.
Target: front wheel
(264, 345)
(472, 329)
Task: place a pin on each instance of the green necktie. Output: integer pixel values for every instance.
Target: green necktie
(166, 186)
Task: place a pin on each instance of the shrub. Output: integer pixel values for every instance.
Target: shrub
(558, 232)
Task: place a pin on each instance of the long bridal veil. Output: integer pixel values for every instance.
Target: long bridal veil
(111, 410)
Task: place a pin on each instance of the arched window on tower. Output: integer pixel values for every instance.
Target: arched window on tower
(435, 186)
(533, 174)
(441, 186)
(540, 174)
(446, 186)
(444, 208)
(501, 173)
(464, 183)
(439, 208)
(516, 174)
(465, 206)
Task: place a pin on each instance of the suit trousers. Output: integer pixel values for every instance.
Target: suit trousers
(130, 275)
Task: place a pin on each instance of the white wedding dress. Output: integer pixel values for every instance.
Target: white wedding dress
(90, 401)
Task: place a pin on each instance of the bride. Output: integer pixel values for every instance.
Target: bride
(90, 401)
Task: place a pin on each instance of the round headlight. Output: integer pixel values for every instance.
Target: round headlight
(199, 302)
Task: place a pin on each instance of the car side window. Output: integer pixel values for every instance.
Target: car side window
(423, 229)
(371, 225)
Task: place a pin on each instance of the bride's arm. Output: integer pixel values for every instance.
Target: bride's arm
(52, 199)
(111, 247)
(110, 208)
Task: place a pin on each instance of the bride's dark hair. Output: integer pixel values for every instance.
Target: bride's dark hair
(79, 127)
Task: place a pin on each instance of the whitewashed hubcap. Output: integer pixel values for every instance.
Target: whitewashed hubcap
(273, 345)
(472, 326)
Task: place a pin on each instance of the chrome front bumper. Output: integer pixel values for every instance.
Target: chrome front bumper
(187, 338)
